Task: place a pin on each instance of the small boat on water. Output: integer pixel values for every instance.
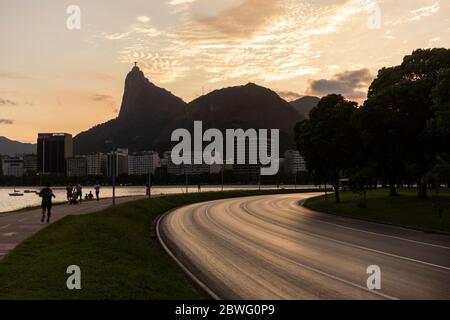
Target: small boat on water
(16, 194)
(29, 191)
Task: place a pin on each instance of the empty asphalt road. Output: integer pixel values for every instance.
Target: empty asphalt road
(269, 247)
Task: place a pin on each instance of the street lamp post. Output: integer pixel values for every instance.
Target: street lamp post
(150, 183)
(259, 181)
(114, 178)
(295, 180)
(221, 174)
(113, 171)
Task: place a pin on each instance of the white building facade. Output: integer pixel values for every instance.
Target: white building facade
(143, 163)
(96, 164)
(12, 166)
(294, 162)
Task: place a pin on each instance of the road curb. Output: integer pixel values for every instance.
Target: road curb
(392, 224)
(196, 281)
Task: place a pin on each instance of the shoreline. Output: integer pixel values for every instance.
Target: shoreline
(156, 190)
(55, 204)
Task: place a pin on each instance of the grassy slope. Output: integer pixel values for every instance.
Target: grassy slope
(407, 209)
(118, 257)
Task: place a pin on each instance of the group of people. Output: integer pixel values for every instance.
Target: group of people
(75, 194)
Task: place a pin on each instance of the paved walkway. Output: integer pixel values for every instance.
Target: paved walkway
(15, 227)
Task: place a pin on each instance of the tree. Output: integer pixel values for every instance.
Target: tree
(393, 120)
(441, 104)
(438, 175)
(328, 140)
(360, 180)
(391, 123)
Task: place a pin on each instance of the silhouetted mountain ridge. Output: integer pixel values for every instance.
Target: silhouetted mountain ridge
(305, 104)
(11, 147)
(149, 114)
(146, 111)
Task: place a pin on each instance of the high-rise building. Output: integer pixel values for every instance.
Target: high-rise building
(197, 166)
(249, 155)
(189, 169)
(12, 166)
(30, 163)
(172, 168)
(76, 167)
(96, 164)
(294, 162)
(117, 161)
(53, 150)
(143, 163)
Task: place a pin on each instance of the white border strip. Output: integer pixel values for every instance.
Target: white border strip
(180, 264)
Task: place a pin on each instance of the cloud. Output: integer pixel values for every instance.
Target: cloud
(351, 84)
(143, 19)
(245, 40)
(142, 27)
(417, 14)
(105, 100)
(289, 95)
(6, 121)
(7, 102)
(424, 12)
(101, 97)
(180, 2)
(14, 75)
(246, 18)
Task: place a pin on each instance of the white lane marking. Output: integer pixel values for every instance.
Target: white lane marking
(371, 232)
(9, 234)
(357, 246)
(180, 264)
(309, 267)
(356, 229)
(4, 227)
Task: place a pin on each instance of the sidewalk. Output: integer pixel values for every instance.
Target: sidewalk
(15, 227)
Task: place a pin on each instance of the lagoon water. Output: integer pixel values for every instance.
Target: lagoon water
(8, 203)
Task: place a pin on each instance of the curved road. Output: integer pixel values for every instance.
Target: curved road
(269, 247)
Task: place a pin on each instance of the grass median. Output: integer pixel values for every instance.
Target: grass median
(118, 257)
(406, 209)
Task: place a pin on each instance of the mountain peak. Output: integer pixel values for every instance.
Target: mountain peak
(305, 104)
(146, 111)
(143, 99)
(135, 77)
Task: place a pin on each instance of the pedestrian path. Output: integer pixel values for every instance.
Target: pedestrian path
(15, 227)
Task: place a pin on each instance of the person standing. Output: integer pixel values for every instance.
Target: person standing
(46, 194)
(69, 191)
(97, 191)
(80, 192)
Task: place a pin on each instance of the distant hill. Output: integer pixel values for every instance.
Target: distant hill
(149, 114)
(305, 104)
(249, 106)
(11, 147)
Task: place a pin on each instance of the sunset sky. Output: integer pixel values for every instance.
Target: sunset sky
(56, 79)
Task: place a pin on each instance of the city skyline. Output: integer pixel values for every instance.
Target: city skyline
(55, 79)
